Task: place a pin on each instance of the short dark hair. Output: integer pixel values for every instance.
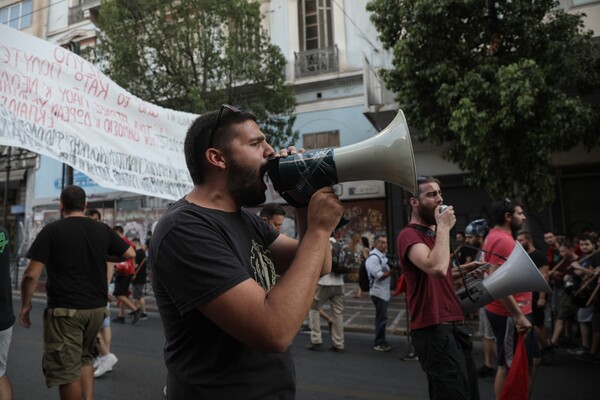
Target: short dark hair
(91, 212)
(271, 209)
(377, 237)
(500, 208)
(525, 234)
(197, 138)
(72, 198)
(118, 228)
(425, 179)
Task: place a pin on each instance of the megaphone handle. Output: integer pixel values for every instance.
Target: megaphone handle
(342, 222)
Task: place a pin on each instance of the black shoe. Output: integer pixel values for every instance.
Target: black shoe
(136, 315)
(336, 349)
(119, 320)
(144, 316)
(313, 346)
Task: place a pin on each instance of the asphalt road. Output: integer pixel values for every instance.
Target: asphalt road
(358, 374)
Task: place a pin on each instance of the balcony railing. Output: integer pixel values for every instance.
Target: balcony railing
(315, 62)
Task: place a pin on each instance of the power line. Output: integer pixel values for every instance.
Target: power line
(356, 26)
(32, 12)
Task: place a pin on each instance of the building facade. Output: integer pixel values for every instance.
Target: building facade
(333, 59)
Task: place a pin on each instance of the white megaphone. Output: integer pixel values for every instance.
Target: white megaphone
(387, 156)
(518, 274)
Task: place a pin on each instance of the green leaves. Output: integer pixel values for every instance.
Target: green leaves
(502, 84)
(194, 55)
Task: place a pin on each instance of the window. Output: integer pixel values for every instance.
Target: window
(18, 15)
(315, 23)
(321, 140)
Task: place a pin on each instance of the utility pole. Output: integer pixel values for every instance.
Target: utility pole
(8, 160)
(67, 178)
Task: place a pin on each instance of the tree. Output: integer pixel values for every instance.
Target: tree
(503, 83)
(195, 55)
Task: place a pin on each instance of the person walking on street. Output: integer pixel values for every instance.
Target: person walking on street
(511, 315)
(231, 291)
(380, 292)
(74, 250)
(330, 288)
(106, 360)
(440, 339)
(123, 279)
(7, 316)
(138, 284)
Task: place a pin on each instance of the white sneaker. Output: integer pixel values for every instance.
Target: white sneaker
(96, 362)
(106, 365)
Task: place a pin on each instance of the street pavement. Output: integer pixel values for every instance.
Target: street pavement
(358, 373)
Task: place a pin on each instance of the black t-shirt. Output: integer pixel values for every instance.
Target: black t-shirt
(140, 256)
(539, 259)
(74, 251)
(7, 316)
(196, 255)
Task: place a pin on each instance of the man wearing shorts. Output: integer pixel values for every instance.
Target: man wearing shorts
(510, 315)
(138, 283)
(7, 317)
(123, 278)
(74, 250)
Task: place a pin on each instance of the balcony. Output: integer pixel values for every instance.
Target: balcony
(315, 62)
(88, 9)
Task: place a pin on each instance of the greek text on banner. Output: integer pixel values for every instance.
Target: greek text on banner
(55, 103)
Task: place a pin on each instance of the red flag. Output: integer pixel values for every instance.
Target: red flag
(517, 381)
(400, 286)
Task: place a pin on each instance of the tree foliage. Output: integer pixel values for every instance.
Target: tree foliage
(195, 55)
(504, 84)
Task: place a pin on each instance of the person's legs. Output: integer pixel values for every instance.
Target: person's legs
(314, 319)
(87, 382)
(337, 313)
(5, 388)
(443, 360)
(5, 385)
(380, 320)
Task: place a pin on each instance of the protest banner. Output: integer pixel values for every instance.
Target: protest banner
(55, 103)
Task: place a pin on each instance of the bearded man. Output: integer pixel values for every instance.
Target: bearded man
(440, 339)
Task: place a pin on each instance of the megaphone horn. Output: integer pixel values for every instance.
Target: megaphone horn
(387, 156)
(518, 274)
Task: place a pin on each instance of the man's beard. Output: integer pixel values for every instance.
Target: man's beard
(514, 226)
(427, 215)
(245, 184)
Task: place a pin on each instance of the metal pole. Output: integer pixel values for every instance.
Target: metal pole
(74, 47)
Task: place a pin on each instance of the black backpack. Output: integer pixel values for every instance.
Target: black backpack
(341, 258)
(364, 281)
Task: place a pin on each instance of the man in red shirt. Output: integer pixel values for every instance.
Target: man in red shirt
(441, 341)
(508, 217)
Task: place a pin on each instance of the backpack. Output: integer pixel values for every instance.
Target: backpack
(364, 281)
(341, 258)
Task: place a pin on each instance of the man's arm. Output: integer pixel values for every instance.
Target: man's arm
(521, 322)
(28, 285)
(130, 253)
(270, 320)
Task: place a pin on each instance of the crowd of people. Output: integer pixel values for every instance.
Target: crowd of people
(230, 314)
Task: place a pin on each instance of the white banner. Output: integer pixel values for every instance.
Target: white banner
(55, 103)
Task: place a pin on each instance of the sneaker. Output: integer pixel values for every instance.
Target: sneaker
(165, 391)
(589, 357)
(336, 349)
(548, 354)
(144, 316)
(313, 346)
(107, 363)
(136, 315)
(96, 362)
(411, 356)
(119, 320)
(578, 351)
(382, 347)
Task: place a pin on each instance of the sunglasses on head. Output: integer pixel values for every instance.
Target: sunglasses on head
(218, 121)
